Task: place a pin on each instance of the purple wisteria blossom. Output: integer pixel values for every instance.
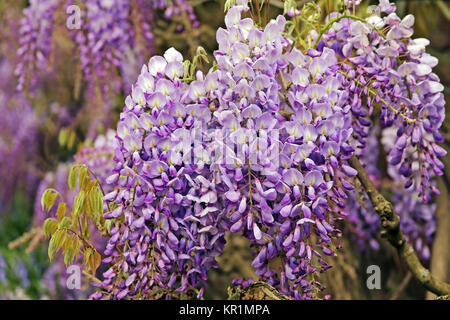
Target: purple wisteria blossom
(259, 145)
(408, 92)
(176, 210)
(109, 35)
(394, 73)
(19, 126)
(36, 40)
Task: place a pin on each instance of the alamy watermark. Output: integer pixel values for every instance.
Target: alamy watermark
(374, 279)
(73, 281)
(73, 20)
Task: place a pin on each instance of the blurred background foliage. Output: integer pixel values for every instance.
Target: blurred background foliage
(21, 272)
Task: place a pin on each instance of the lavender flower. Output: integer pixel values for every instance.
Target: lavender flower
(19, 131)
(36, 28)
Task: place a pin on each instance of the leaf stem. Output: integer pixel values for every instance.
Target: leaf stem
(371, 91)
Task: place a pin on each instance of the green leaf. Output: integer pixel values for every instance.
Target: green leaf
(78, 204)
(97, 261)
(108, 225)
(89, 205)
(64, 223)
(71, 250)
(44, 199)
(68, 256)
(187, 67)
(94, 261)
(83, 178)
(91, 185)
(71, 140)
(51, 248)
(87, 254)
(50, 226)
(215, 66)
(51, 200)
(48, 199)
(60, 238)
(96, 200)
(100, 202)
(67, 242)
(76, 249)
(73, 176)
(201, 52)
(63, 137)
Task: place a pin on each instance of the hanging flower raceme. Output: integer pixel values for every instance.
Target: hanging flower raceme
(170, 208)
(394, 72)
(36, 40)
(169, 224)
(280, 185)
(259, 145)
(106, 33)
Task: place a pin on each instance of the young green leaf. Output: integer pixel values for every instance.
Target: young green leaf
(100, 202)
(63, 137)
(108, 225)
(61, 211)
(64, 223)
(78, 204)
(50, 226)
(76, 248)
(60, 237)
(68, 256)
(51, 247)
(87, 254)
(71, 139)
(48, 199)
(73, 176)
(83, 177)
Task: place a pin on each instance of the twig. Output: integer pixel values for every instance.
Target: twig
(390, 224)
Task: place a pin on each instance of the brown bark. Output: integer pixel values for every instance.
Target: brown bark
(390, 230)
(256, 291)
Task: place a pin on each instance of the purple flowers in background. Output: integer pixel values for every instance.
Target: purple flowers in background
(36, 30)
(173, 225)
(412, 111)
(110, 33)
(19, 132)
(409, 91)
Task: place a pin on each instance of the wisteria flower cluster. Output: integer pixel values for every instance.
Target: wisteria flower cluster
(105, 33)
(259, 145)
(394, 71)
